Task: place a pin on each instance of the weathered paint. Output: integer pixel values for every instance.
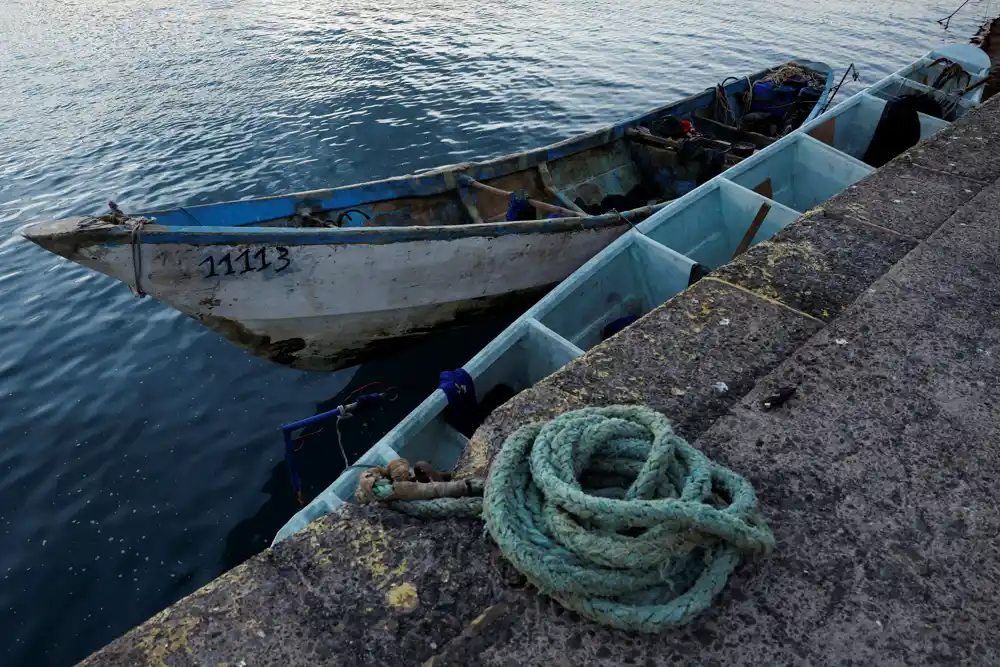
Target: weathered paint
(337, 305)
(404, 261)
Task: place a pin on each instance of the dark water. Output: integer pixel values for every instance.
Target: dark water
(140, 456)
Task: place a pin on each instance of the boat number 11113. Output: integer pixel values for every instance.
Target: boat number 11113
(275, 259)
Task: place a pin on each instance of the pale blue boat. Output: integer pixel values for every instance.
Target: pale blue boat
(652, 263)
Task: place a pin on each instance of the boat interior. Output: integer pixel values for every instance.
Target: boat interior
(745, 204)
(645, 161)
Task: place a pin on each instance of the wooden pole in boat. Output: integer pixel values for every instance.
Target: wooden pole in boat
(966, 91)
(752, 230)
(652, 140)
(550, 187)
(468, 181)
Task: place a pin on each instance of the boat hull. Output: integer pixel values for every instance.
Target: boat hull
(332, 342)
(325, 279)
(331, 306)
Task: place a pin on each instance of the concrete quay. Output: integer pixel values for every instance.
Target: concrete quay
(878, 477)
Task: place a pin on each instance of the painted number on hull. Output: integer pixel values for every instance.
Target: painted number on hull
(246, 262)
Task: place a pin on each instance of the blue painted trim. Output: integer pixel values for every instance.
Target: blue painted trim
(300, 236)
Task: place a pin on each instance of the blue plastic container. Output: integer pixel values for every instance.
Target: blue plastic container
(772, 98)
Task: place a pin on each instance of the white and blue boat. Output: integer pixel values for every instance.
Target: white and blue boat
(648, 265)
(328, 279)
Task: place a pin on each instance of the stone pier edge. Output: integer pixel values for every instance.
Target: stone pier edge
(370, 587)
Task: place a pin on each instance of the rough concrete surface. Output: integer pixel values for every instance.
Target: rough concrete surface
(362, 587)
(968, 148)
(677, 358)
(878, 477)
(896, 198)
(818, 265)
(691, 358)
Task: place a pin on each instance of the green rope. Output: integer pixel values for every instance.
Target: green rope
(610, 513)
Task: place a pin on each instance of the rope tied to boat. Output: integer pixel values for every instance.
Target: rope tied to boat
(135, 225)
(615, 212)
(951, 71)
(345, 412)
(609, 512)
(723, 110)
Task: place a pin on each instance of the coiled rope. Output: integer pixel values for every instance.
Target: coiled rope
(610, 513)
(787, 71)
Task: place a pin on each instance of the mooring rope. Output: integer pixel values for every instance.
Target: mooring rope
(610, 513)
(135, 226)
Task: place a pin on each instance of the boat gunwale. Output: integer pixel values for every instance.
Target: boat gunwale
(443, 179)
(154, 234)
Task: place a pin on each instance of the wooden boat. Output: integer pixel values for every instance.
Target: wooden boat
(646, 266)
(331, 278)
